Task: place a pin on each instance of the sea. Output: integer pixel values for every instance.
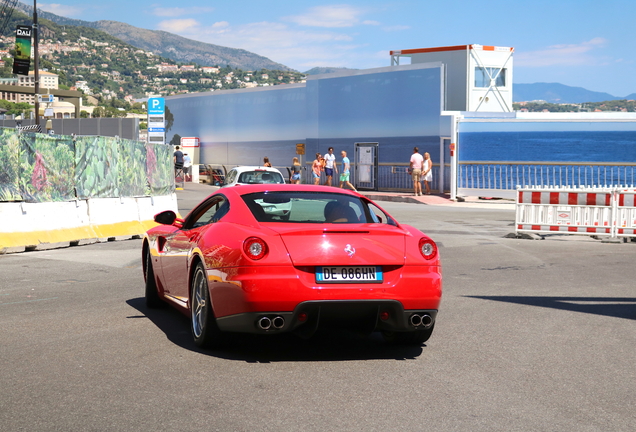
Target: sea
(587, 146)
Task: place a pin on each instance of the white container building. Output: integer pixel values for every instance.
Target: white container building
(477, 77)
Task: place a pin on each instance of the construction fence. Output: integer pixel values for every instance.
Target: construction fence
(608, 211)
(53, 168)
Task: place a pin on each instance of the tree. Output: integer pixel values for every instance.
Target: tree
(176, 140)
(98, 112)
(169, 118)
(15, 108)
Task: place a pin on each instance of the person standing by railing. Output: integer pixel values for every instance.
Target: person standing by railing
(417, 162)
(427, 173)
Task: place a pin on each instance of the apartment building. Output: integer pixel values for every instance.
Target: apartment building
(48, 80)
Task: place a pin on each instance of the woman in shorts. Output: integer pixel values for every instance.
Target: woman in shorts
(295, 171)
(316, 168)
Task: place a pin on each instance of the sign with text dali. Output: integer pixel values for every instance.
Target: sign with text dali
(22, 59)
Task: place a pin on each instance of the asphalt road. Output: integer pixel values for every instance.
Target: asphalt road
(531, 336)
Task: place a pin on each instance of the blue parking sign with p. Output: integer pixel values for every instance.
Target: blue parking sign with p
(156, 106)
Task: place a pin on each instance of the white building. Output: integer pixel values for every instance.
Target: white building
(478, 77)
(48, 80)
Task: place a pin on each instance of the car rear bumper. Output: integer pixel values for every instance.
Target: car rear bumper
(363, 315)
(283, 288)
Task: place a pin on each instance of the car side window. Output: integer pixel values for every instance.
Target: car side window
(210, 212)
(230, 177)
(378, 216)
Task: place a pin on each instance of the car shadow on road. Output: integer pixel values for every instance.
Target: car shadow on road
(617, 307)
(323, 346)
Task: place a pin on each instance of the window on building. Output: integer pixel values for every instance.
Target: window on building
(483, 74)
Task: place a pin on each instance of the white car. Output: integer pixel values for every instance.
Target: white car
(253, 175)
(245, 175)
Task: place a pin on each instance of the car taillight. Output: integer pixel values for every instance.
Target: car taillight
(255, 248)
(428, 248)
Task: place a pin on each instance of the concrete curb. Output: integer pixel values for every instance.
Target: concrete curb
(39, 226)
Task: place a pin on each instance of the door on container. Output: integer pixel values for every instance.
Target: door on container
(366, 166)
(444, 165)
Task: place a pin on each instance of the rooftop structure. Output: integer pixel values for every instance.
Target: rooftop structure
(478, 77)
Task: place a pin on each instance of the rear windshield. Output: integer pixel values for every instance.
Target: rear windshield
(261, 177)
(311, 207)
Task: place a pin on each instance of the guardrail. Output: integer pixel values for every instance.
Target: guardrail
(507, 175)
(391, 177)
(590, 211)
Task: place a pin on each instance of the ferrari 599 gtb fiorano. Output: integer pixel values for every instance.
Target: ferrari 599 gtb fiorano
(334, 259)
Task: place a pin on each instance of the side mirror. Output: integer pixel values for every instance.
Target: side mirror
(379, 217)
(167, 217)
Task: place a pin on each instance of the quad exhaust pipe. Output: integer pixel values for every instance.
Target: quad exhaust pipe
(265, 322)
(423, 320)
(278, 322)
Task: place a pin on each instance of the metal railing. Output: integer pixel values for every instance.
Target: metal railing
(391, 177)
(508, 175)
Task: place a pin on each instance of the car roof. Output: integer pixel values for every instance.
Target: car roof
(241, 169)
(252, 188)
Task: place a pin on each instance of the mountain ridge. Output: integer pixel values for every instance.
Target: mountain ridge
(560, 93)
(180, 49)
(168, 45)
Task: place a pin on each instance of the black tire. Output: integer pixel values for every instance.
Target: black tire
(205, 331)
(153, 301)
(417, 337)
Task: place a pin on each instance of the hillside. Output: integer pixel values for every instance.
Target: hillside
(116, 73)
(168, 45)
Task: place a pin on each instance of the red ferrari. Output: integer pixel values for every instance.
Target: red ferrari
(270, 259)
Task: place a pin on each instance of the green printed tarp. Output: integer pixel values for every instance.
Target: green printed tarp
(47, 168)
(39, 167)
(132, 169)
(96, 167)
(160, 169)
(9, 166)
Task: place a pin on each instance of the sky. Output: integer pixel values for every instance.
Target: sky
(580, 43)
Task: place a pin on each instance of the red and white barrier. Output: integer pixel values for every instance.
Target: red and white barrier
(571, 211)
(625, 213)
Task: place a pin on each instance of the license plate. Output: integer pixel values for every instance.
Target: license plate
(357, 274)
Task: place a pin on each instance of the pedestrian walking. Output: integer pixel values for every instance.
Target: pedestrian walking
(330, 166)
(346, 171)
(266, 162)
(187, 165)
(177, 159)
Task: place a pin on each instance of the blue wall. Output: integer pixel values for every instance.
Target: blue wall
(398, 107)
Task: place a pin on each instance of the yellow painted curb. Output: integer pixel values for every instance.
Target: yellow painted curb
(34, 238)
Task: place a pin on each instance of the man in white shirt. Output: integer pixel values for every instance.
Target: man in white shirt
(330, 166)
(187, 164)
(417, 162)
